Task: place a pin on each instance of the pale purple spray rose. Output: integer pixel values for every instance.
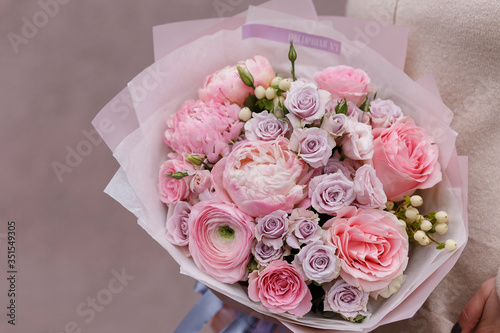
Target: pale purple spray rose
(265, 254)
(318, 262)
(331, 192)
(271, 229)
(313, 145)
(304, 228)
(305, 102)
(177, 231)
(346, 166)
(265, 126)
(352, 110)
(346, 300)
(334, 124)
(384, 113)
(368, 188)
(358, 143)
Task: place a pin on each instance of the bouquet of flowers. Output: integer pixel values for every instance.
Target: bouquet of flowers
(294, 194)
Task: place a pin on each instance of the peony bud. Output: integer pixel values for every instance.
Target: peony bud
(260, 92)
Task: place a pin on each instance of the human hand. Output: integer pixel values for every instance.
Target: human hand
(482, 313)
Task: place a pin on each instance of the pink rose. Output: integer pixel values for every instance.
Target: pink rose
(280, 287)
(344, 82)
(358, 143)
(203, 128)
(201, 181)
(261, 177)
(171, 189)
(226, 85)
(384, 113)
(372, 246)
(368, 188)
(220, 240)
(313, 145)
(177, 223)
(405, 159)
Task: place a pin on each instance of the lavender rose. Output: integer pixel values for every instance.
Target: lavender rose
(334, 124)
(346, 166)
(177, 223)
(313, 145)
(346, 300)
(265, 254)
(271, 229)
(358, 144)
(305, 102)
(352, 110)
(384, 113)
(304, 228)
(331, 192)
(265, 126)
(368, 188)
(318, 262)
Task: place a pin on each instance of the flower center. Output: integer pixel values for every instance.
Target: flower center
(226, 232)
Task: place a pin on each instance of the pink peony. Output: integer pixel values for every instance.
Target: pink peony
(220, 240)
(203, 128)
(261, 177)
(344, 82)
(405, 159)
(372, 246)
(280, 287)
(226, 85)
(171, 189)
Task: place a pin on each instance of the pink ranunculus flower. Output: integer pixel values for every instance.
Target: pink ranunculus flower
(177, 231)
(331, 192)
(304, 228)
(203, 128)
(171, 189)
(261, 177)
(405, 159)
(318, 262)
(368, 188)
(305, 102)
(220, 240)
(384, 113)
(226, 85)
(358, 143)
(281, 288)
(344, 82)
(372, 246)
(265, 126)
(313, 145)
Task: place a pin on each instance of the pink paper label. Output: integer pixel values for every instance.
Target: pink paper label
(285, 35)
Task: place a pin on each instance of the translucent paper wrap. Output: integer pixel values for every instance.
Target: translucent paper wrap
(132, 125)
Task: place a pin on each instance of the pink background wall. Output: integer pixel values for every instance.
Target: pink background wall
(70, 235)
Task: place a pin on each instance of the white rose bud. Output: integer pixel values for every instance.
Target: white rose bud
(441, 228)
(260, 92)
(389, 205)
(416, 200)
(270, 93)
(245, 114)
(419, 236)
(442, 217)
(411, 214)
(450, 245)
(276, 81)
(285, 84)
(426, 225)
